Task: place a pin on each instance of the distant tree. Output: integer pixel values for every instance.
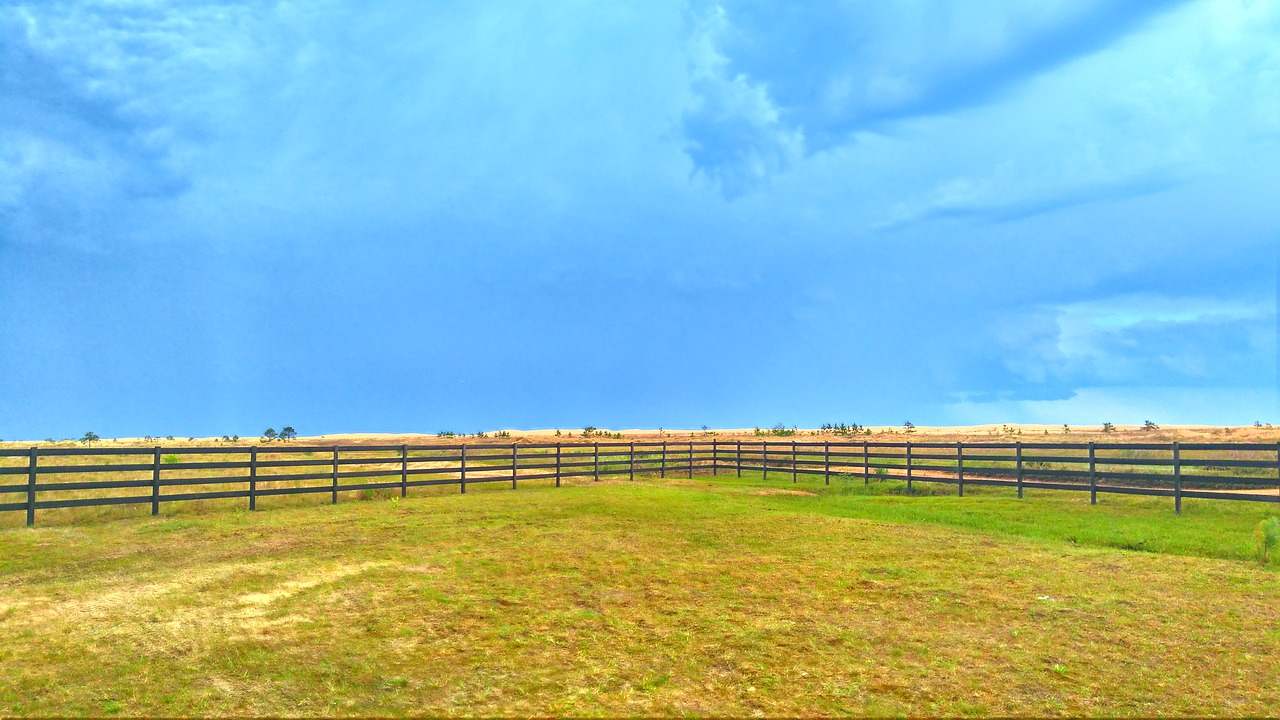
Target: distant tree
(288, 433)
(1108, 427)
(909, 426)
(89, 438)
(1148, 425)
(1066, 429)
(1257, 423)
(270, 434)
(235, 438)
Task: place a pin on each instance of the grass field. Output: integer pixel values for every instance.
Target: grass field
(711, 596)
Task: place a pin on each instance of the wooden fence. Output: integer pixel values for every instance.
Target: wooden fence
(49, 478)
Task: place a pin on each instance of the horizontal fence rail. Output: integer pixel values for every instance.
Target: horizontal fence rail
(47, 478)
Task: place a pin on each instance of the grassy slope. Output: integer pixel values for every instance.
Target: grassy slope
(699, 597)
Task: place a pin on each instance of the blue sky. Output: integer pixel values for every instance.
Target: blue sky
(221, 216)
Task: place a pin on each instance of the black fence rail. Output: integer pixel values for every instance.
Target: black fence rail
(47, 478)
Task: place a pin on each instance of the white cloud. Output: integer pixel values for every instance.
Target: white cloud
(735, 133)
(1143, 340)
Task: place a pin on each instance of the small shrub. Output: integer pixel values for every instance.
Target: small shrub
(781, 430)
(169, 459)
(1267, 536)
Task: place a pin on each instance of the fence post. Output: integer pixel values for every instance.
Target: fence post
(793, 461)
(738, 458)
(631, 462)
(1019, 451)
(960, 466)
(690, 459)
(715, 457)
(515, 464)
(908, 467)
(866, 464)
(596, 455)
(335, 475)
(558, 446)
(1278, 467)
(1177, 479)
(764, 457)
(1093, 476)
(253, 478)
(462, 469)
(404, 470)
(32, 461)
(664, 458)
(826, 462)
(155, 483)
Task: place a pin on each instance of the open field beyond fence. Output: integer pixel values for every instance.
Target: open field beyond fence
(61, 482)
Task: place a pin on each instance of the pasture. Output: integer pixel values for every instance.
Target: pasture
(703, 596)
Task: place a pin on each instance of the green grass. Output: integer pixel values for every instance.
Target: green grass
(711, 596)
(1206, 528)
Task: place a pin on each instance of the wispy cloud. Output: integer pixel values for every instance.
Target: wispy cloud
(734, 131)
(1142, 340)
(1027, 45)
(80, 143)
(1002, 200)
(805, 78)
